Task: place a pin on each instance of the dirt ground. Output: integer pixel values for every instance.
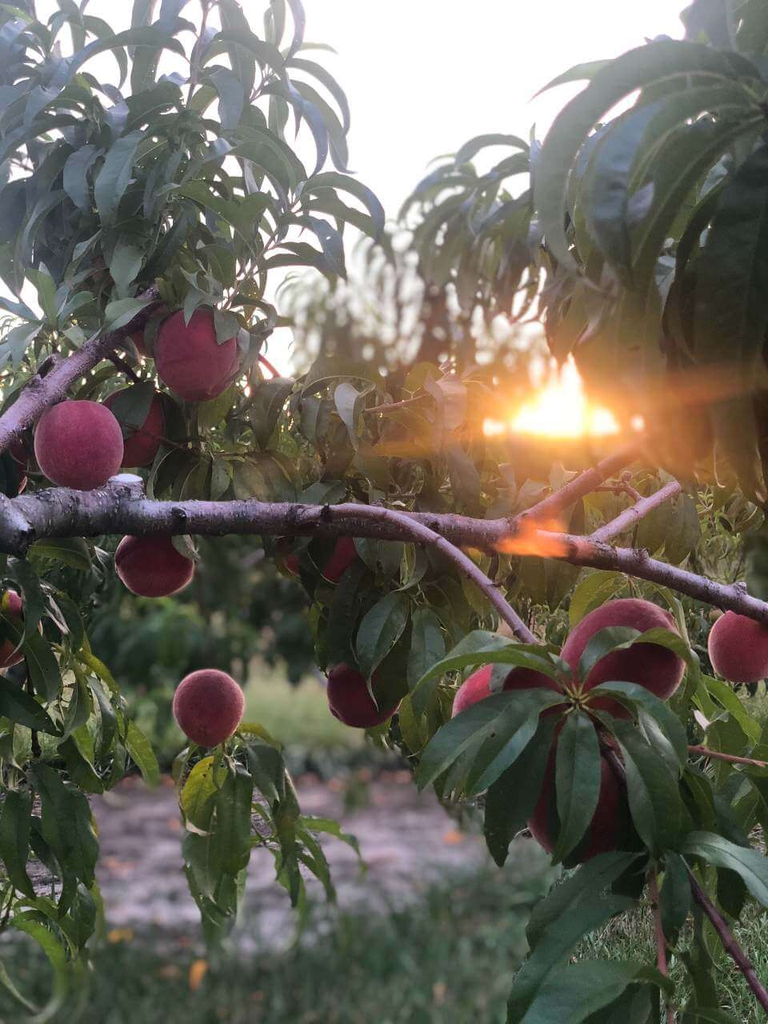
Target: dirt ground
(407, 841)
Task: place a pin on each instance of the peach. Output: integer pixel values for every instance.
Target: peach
(140, 444)
(190, 361)
(476, 686)
(738, 648)
(208, 706)
(152, 567)
(656, 668)
(602, 834)
(344, 554)
(11, 607)
(79, 444)
(350, 701)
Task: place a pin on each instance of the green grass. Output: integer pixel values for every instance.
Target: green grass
(449, 959)
(631, 937)
(296, 715)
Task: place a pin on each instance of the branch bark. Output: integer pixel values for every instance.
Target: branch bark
(117, 509)
(718, 755)
(631, 516)
(45, 389)
(549, 508)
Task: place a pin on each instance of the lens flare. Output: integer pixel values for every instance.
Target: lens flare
(560, 409)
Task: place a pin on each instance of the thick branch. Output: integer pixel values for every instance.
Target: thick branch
(60, 512)
(632, 515)
(44, 390)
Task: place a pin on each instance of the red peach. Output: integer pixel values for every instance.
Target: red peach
(190, 361)
(152, 567)
(78, 444)
(141, 443)
(350, 701)
(11, 607)
(476, 686)
(738, 648)
(208, 706)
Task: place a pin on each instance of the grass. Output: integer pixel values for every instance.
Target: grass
(448, 959)
(296, 715)
(630, 937)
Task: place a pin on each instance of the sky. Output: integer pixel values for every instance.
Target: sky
(423, 76)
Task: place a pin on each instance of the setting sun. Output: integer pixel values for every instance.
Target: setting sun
(559, 409)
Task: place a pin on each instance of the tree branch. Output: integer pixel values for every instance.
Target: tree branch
(730, 945)
(661, 941)
(632, 515)
(115, 509)
(45, 389)
(550, 507)
(718, 755)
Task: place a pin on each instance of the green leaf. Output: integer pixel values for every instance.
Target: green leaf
(481, 647)
(508, 720)
(232, 829)
(231, 97)
(512, 798)
(197, 796)
(652, 789)
(427, 648)
(349, 404)
(115, 175)
(578, 773)
(142, 754)
(14, 839)
(75, 178)
(268, 401)
(675, 895)
(42, 666)
(73, 552)
(592, 591)
(573, 992)
(122, 311)
(66, 823)
(380, 630)
(334, 180)
(643, 66)
(125, 265)
(632, 695)
(750, 864)
(19, 706)
(45, 287)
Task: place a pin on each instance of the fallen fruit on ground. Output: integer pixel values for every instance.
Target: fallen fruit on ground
(79, 444)
(208, 706)
(350, 701)
(189, 359)
(656, 668)
(152, 567)
(738, 648)
(11, 607)
(476, 686)
(140, 442)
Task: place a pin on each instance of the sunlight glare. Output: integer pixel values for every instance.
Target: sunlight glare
(559, 409)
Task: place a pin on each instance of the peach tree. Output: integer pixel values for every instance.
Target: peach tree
(526, 622)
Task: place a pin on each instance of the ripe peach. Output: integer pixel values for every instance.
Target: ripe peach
(78, 444)
(476, 686)
(602, 834)
(738, 648)
(140, 444)
(350, 701)
(656, 668)
(343, 555)
(152, 567)
(189, 359)
(208, 706)
(12, 607)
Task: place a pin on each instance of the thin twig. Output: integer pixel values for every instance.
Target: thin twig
(387, 406)
(124, 367)
(632, 515)
(661, 941)
(265, 362)
(718, 755)
(550, 507)
(730, 945)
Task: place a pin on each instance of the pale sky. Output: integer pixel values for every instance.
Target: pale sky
(423, 76)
